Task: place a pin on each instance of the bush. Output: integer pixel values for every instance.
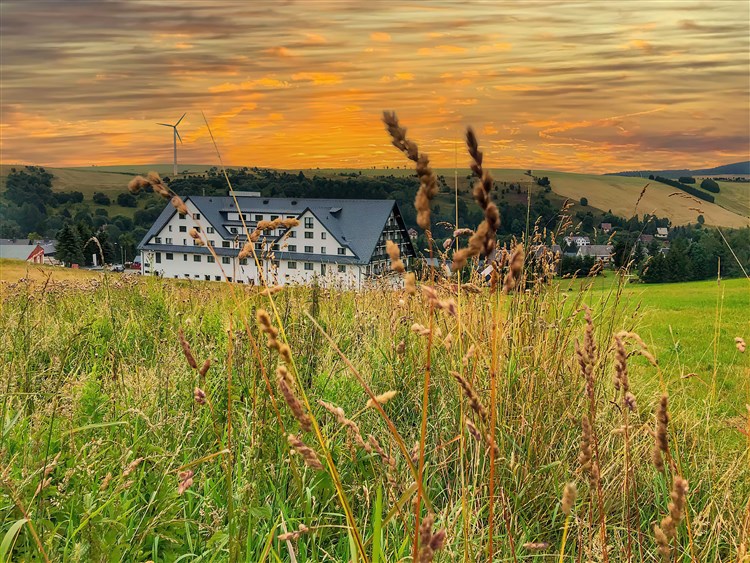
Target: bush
(101, 198)
(710, 185)
(687, 179)
(126, 200)
(584, 202)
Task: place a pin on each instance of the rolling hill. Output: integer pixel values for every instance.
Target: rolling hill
(734, 169)
(604, 192)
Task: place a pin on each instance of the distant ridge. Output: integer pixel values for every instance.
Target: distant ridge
(735, 169)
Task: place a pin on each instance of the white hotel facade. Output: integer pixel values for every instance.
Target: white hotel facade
(337, 242)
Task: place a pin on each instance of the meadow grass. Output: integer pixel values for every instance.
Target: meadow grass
(109, 453)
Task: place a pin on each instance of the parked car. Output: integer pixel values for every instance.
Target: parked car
(117, 268)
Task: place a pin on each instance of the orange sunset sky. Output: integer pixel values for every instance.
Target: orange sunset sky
(591, 85)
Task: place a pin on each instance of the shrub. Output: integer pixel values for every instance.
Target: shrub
(710, 185)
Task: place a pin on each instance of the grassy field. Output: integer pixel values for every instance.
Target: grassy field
(112, 448)
(734, 196)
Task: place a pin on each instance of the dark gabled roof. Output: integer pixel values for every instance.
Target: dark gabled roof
(355, 223)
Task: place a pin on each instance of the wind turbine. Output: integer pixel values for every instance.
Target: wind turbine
(175, 136)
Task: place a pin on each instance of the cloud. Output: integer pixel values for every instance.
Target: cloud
(288, 84)
(318, 78)
(261, 83)
(399, 76)
(380, 36)
(441, 50)
(278, 52)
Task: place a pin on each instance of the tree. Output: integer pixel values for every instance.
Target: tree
(584, 202)
(710, 185)
(69, 249)
(126, 200)
(687, 180)
(101, 198)
(701, 219)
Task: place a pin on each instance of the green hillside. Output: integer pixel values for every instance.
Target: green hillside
(617, 194)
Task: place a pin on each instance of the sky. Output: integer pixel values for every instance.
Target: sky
(589, 86)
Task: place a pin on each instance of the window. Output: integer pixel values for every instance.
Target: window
(210, 259)
(322, 249)
(274, 217)
(158, 257)
(196, 216)
(196, 258)
(308, 266)
(207, 278)
(157, 240)
(225, 244)
(243, 261)
(217, 278)
(342, 251)
(233, 230)
(197, 228)
(292, 265)
(210, 230)
(169, 256)
(308, 234)
(184, 257)
(197, 276)
(184, 242)
(170, 228)
(323, 236)
(182, 216)
(168, 240)
(292, 248)
(292, 234)
(225, 260)
(186, 275)
(309, 249)
(322, 269)
(259, 217)
(308, 222)
(183, 229)
(342, 269)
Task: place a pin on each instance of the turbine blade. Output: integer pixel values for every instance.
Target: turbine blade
(178, 121)
(178, 134)
(165, 124)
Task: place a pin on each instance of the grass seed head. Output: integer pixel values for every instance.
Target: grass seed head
(308, 454)
(569, 498)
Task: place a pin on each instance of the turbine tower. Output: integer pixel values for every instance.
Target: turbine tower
(175, 136)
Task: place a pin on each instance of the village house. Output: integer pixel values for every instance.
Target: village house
(662, 233)
(606, 227)
(338, 242)
(37, 252)
(577, 240)
(601, 252)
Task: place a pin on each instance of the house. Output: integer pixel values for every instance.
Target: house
(606, 227)
(36, 251)
(337, 242)
(645, 239)
(601, 252)
(577, 240)
(662, 232)
(413, 234)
